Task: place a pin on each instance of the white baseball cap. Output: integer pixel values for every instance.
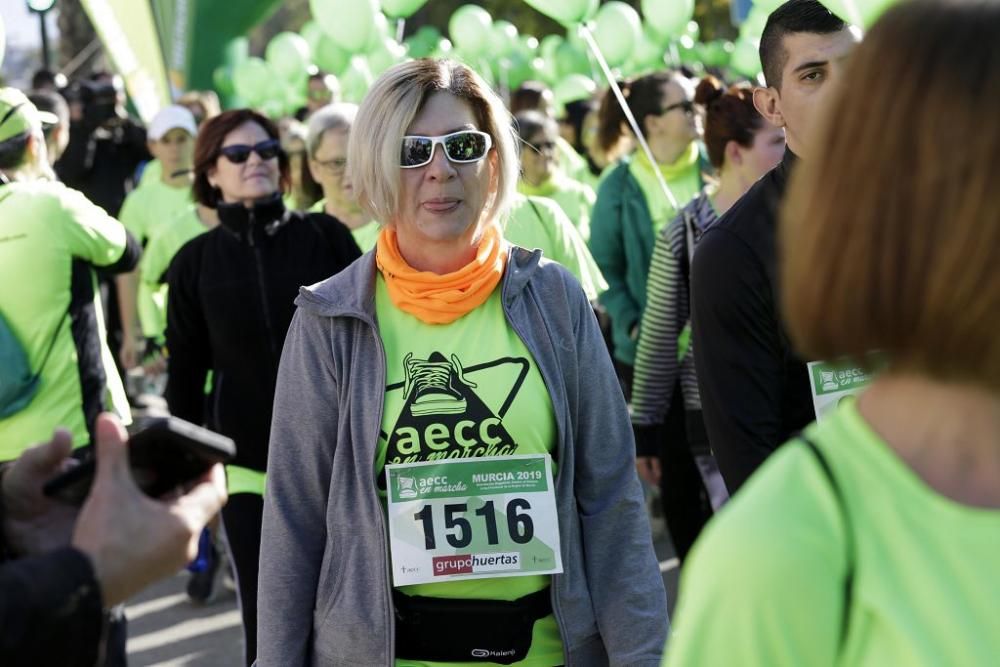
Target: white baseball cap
(168, 118)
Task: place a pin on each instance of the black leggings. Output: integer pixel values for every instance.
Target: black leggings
(241, 519)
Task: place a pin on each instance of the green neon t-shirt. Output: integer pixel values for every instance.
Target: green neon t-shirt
(152, 204)
(574, 198)
(764, 585)
(683, 177)
(493, 394)
(163, 244)
(43, 227)
(537, 222)
(365, 236)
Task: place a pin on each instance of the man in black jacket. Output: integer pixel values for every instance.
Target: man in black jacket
(754, 389)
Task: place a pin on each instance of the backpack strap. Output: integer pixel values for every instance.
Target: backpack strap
(851, 555)
(52, 344)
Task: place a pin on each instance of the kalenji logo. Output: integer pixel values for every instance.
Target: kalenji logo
(474, 563)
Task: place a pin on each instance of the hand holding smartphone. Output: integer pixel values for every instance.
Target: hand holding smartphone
(166, 454)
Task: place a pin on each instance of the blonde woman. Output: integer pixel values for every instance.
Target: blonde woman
(447, 362)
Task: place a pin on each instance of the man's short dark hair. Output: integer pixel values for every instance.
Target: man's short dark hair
(44, 78)
(792, 17)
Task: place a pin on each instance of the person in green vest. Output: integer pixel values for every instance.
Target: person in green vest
(871, 538)
(156, 202)
(631, 206)
(541, 175)
(52, 240)
(450, 362)
(326, 141)
(538, 222)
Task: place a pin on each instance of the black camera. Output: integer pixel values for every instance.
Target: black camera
(99, 100)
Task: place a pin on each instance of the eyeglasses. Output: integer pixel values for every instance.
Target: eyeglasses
(336, 166)
(460, 147)
(686, 105)
(240, 153)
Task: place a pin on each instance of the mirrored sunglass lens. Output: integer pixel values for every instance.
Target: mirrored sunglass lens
(465, 146)
(415, 151)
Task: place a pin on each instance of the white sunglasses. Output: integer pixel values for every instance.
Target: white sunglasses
(460, 147)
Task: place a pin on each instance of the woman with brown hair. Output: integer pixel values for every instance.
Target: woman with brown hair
(231, 293)
(742, 147)
(872, 539)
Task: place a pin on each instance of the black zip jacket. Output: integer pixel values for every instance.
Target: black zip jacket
(754, 389)
(231, 300)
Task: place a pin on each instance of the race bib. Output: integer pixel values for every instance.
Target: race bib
(833, 383)
(472, 518)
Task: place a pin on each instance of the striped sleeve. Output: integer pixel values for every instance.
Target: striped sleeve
(656, 366)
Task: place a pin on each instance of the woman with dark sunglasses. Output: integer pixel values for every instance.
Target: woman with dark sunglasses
(231, 294)
(451, 476)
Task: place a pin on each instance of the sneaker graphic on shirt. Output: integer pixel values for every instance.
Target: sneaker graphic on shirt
(445, 413)
(431, 386)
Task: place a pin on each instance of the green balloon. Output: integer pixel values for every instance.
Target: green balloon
(348, 22)
(379, 33)
(444, 49)
(387, 55)
(222, 80)
(648, 52)
(288, 54)
(470, 28)
(754, 24)
(693, 30)
(567, 12)
(689, 55)
(868, 10)
(273, 109)
(252, 80)
(401, 9)
(421, 43)
(571, 59)
(746, 59)
(503, 38)
(668, 17)
(356, 80)
(571, 88)
(330, 57)
(617, 29)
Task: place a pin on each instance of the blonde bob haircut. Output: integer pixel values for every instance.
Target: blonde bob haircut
(890, 239)
(389, 108)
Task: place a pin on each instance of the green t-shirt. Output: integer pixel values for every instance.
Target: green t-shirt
(492, 393)
(365, 236)
(43, 227)
(574, 198)
(152, 204)
(538, 222)
(764, 585)
(163, 244)
(683, 177)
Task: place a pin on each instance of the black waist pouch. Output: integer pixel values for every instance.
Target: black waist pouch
(446, 630)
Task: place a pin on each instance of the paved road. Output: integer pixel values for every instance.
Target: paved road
(165, 630)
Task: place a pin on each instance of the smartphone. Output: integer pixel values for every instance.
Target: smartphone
(164, 454)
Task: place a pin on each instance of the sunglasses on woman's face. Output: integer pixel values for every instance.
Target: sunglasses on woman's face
(240, 153)
(686, 106)
(461, 147)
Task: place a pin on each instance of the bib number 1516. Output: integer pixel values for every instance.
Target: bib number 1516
(459, 529)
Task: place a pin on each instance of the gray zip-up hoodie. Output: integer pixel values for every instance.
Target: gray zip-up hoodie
(325, 587)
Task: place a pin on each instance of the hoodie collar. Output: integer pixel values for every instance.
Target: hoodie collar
(247, 224)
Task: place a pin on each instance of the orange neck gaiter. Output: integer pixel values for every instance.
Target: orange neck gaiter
(441, 299)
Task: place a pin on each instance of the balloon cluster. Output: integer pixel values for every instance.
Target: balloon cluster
(353, 40)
